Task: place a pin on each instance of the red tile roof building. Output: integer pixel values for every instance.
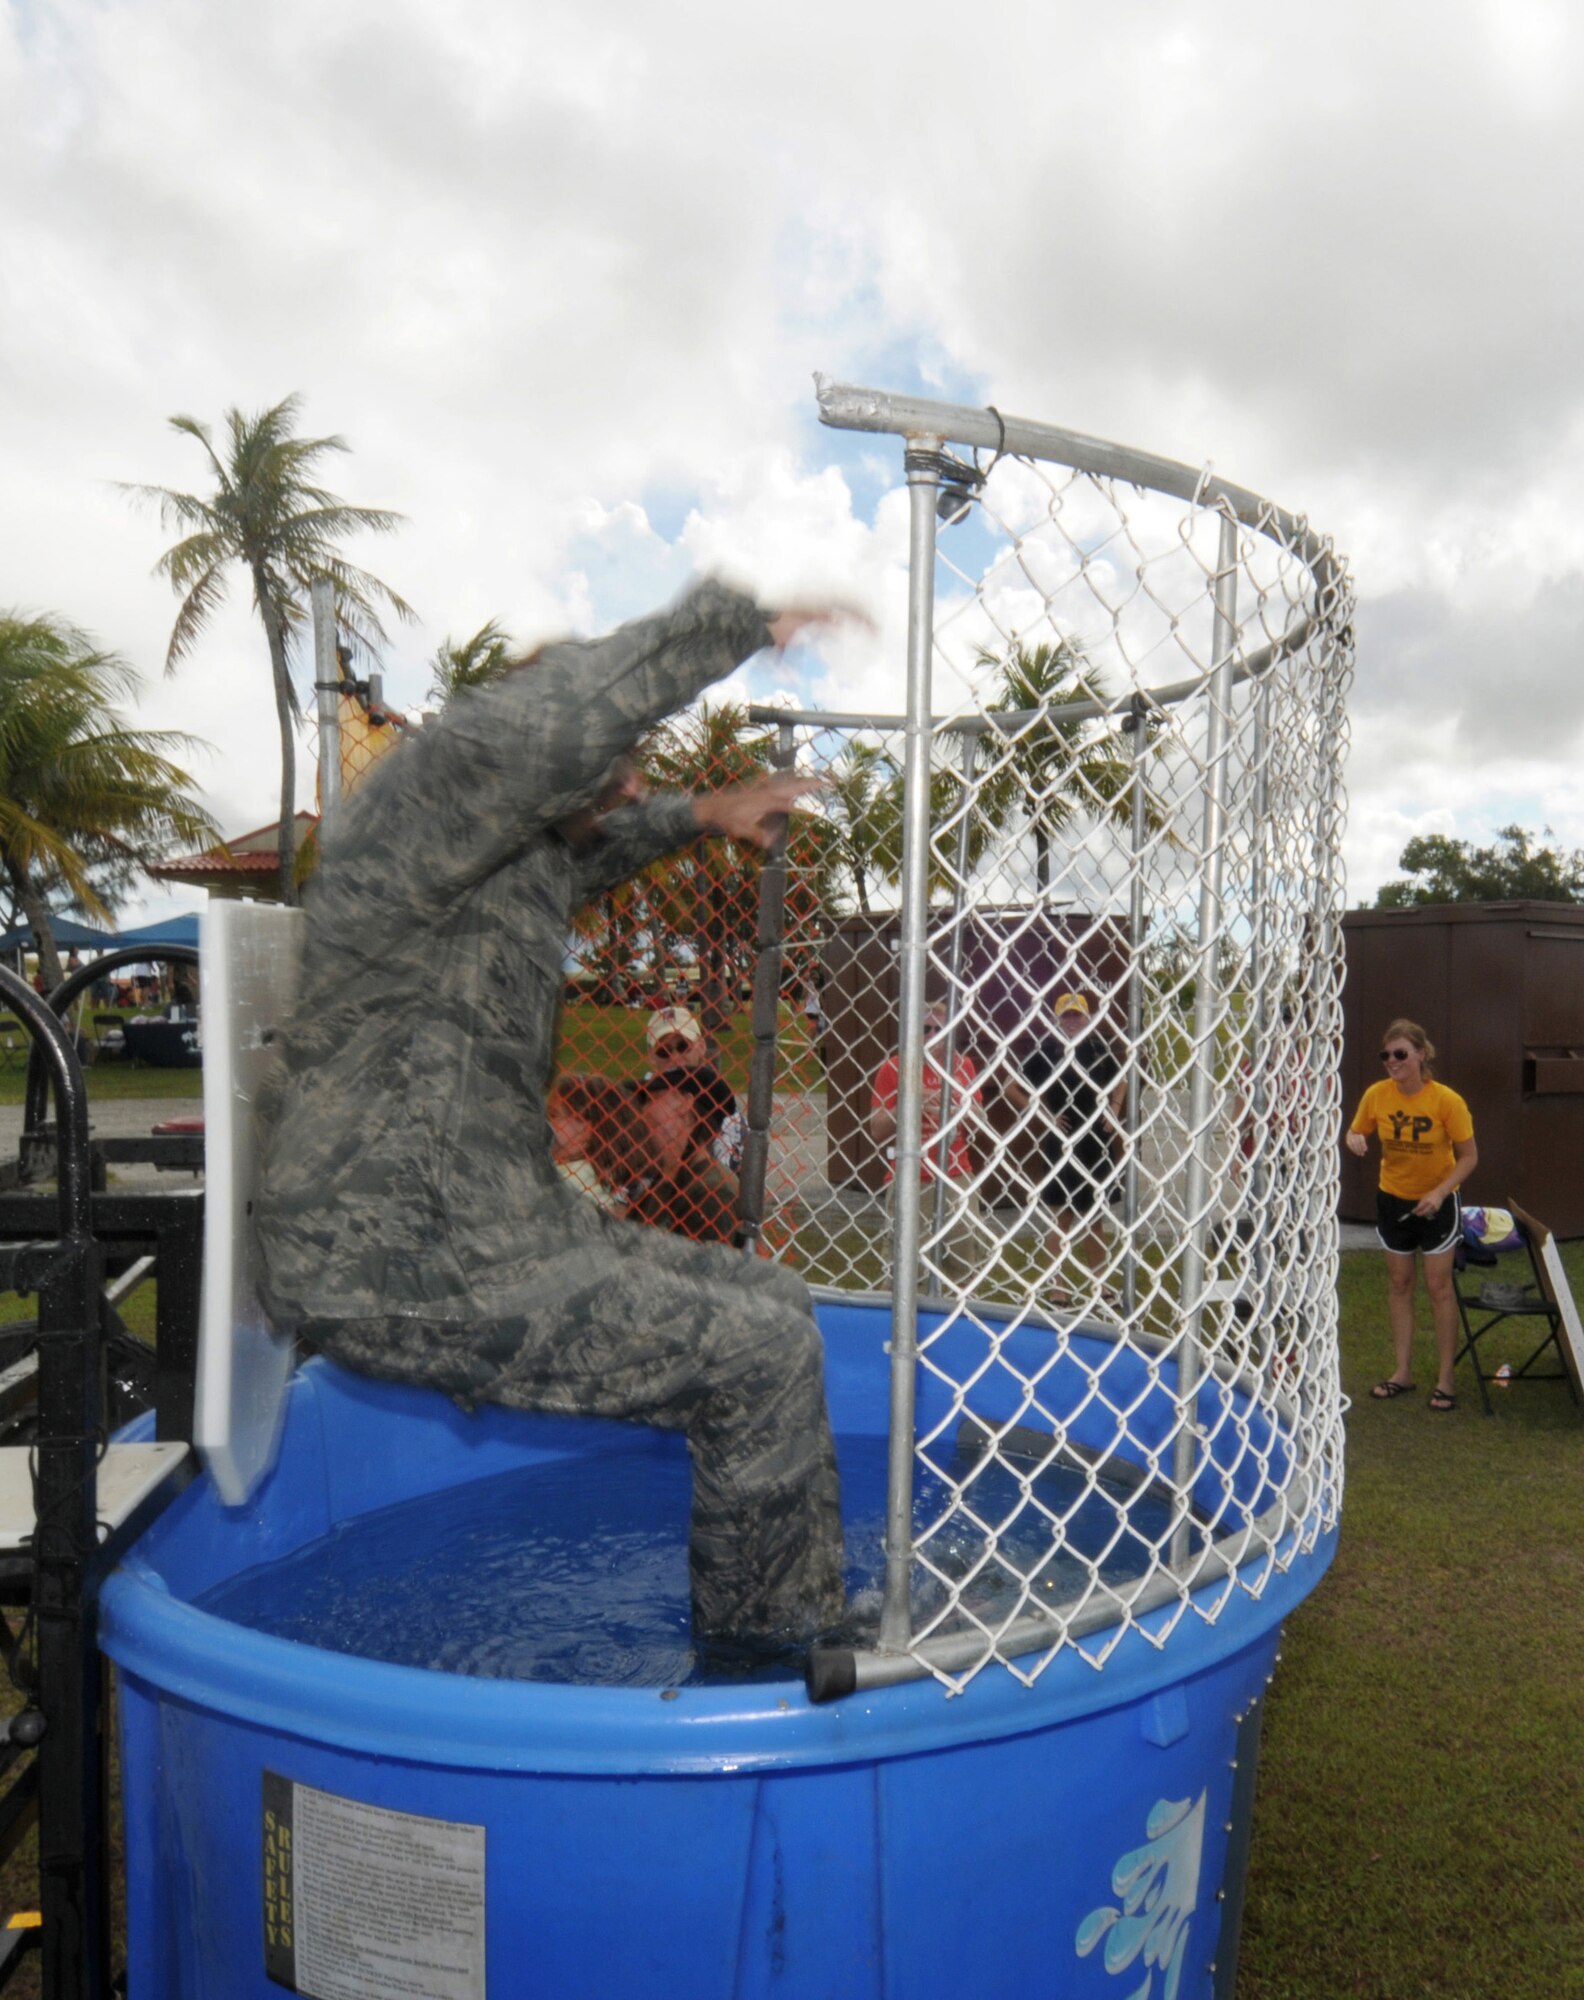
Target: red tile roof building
(244, 869)
(248, 868)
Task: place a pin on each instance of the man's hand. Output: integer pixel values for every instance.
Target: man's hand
(787, 625)
(755, 813)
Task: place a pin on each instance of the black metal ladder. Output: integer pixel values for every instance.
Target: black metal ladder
(53, 1753)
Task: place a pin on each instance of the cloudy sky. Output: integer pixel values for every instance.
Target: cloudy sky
(561, 276)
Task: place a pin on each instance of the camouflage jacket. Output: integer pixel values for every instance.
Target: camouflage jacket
(405, 1149)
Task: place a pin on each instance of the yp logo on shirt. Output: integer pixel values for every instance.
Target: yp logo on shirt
(1408, 1130)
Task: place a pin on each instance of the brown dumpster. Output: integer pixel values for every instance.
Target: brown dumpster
(1499, 988)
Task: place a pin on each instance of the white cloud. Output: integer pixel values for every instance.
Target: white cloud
(561, 278)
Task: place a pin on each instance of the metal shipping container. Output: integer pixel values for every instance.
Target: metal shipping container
(1499, 989)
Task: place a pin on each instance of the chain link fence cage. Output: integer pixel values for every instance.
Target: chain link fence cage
(367, 728)
(354, 727)
(1032, 1025)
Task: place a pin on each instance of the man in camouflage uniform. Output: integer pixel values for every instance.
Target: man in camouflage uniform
(411, 1222)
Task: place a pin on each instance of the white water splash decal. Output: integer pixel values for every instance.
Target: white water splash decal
(1159, 1887)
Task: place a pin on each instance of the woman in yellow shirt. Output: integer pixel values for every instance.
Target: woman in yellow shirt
(1427, 1152)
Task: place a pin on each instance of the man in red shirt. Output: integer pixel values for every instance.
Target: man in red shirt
(950, 1108)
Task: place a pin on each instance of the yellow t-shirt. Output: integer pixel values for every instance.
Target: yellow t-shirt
(1416, 1134)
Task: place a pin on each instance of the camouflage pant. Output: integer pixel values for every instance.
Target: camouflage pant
(689, 1337)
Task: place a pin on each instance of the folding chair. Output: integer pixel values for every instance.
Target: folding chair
(1485, 1303)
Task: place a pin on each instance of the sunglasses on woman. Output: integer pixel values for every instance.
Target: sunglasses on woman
(1395, 1055)
(668, 1051)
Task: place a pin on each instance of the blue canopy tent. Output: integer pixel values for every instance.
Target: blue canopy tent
(69, 935)
(168, 1044)
(181, 929)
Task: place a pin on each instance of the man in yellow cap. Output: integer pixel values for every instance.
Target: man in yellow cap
(1078, 1083)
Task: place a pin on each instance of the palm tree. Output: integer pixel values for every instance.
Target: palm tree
(268, 516)
(82, 796)
(706, 896)
(470, 663)
(862, 807)
(1056, 769)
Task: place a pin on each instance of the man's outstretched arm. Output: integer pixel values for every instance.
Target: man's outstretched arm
(633, 836)
(471, 789)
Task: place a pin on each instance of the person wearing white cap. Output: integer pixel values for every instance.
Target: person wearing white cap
(677, 1041)
(1078, 1083)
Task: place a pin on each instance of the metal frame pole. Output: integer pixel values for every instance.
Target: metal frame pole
(766, 1015)
(1260, 965)
(1190, 1358)
(923, 476)
(1137, 723)
(970, 743)
(928, 425)
(321, 595)
(1328, 895)
(74, 1933)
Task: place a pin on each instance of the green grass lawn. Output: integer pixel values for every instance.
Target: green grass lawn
(114, 1080)
(612, 1041)
(112, 1077)
(1420, 1812)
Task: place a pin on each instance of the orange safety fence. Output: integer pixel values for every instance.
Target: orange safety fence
(660, 1023)
(650, 1113)
(368, 731)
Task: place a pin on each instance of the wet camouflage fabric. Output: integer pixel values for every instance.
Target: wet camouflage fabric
(410, 1220)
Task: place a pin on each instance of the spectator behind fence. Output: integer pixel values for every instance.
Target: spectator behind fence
(814, 1011)
(1075, 1078)
(643, 1151)
(594, 1126)
(1427, 1147)
(686, 1189)
(679, 1045)
(948, 1108)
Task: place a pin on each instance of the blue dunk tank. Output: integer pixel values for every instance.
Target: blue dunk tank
(410, 1706)
(297, 1817)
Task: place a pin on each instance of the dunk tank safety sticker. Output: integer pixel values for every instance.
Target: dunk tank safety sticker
(361, 1903)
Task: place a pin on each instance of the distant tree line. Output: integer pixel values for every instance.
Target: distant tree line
(1515, 868)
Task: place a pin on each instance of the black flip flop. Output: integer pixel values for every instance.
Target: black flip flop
(1383, 1392)
(1442, 1399)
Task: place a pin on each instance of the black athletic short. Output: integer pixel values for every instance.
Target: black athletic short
(1083, 1180)
(1403, 1232)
